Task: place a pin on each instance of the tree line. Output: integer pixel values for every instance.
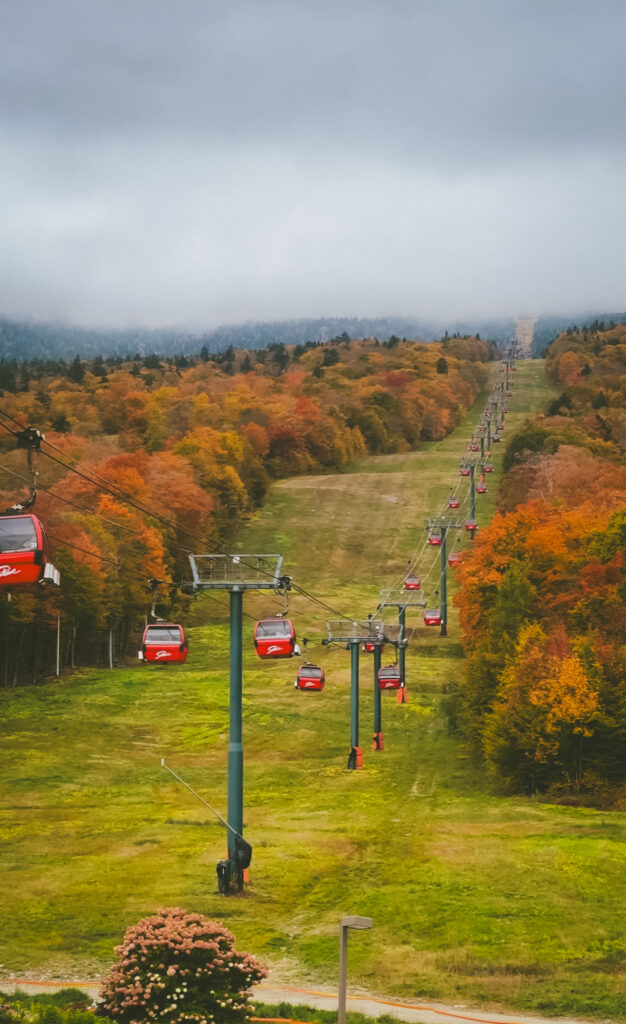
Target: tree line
(543, 593)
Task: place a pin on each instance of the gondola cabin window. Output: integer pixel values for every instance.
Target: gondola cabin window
(24, 550)
(310, 677)
(274, 638)
(164, 642)
(389, 677)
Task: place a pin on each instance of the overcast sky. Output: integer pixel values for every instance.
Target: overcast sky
(192, 163)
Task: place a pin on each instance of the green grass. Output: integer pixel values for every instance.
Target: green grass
(475, 898)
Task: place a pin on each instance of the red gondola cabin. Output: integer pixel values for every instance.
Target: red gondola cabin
(495, 437)
(471, 525)
(487, 467)
(412, 583)
(454, 503)
(464, 471)
(310, 677)
(481, 488)
(164, 642)
(389, 677)
(455, 558)
(24, 552)
(274, 638)
(432, 617)
(474, 447)
(435, 538)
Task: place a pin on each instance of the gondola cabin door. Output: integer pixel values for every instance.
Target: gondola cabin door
(310, 677)
(24, 551)
(389, 677)
(164, 642)
(274, 638)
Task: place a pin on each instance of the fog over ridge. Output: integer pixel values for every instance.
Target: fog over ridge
(201, 165)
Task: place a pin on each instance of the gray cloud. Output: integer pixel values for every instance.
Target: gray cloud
(196, 163)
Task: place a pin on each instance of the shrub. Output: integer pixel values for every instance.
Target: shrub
(10, 1014)
(50, 1015)
(180, 968)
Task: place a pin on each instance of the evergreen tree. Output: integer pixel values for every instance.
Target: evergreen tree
(76, 370)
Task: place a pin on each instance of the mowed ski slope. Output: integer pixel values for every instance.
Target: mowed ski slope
(473, 897)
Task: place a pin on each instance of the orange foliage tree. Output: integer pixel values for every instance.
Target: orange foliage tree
(543, 591)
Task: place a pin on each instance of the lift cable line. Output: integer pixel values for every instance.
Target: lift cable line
(67, 501)
(235, 575)
(93, 478)
(120, 494)
(30, 439)
(101, 558)
(214, 548)
(200, 798)
(243, 849)
(466, 501)
(104, 519)
(170, 523)
(353, 634)
(239, 574)
(416, 559)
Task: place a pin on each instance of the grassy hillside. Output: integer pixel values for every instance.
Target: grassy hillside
(473, 897)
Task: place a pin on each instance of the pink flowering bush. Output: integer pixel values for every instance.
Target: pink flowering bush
(180, 968)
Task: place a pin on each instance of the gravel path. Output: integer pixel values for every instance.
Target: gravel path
(414, 1012)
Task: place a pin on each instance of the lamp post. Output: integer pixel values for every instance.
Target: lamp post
(347, 923)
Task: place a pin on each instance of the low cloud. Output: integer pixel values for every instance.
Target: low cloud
(200, 164)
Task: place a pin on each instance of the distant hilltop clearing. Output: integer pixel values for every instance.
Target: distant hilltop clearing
(524, 330)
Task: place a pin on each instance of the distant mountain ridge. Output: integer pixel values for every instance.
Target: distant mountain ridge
(23, 340)
(547, 328)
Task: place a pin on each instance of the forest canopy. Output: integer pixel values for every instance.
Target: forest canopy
(147, 459)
